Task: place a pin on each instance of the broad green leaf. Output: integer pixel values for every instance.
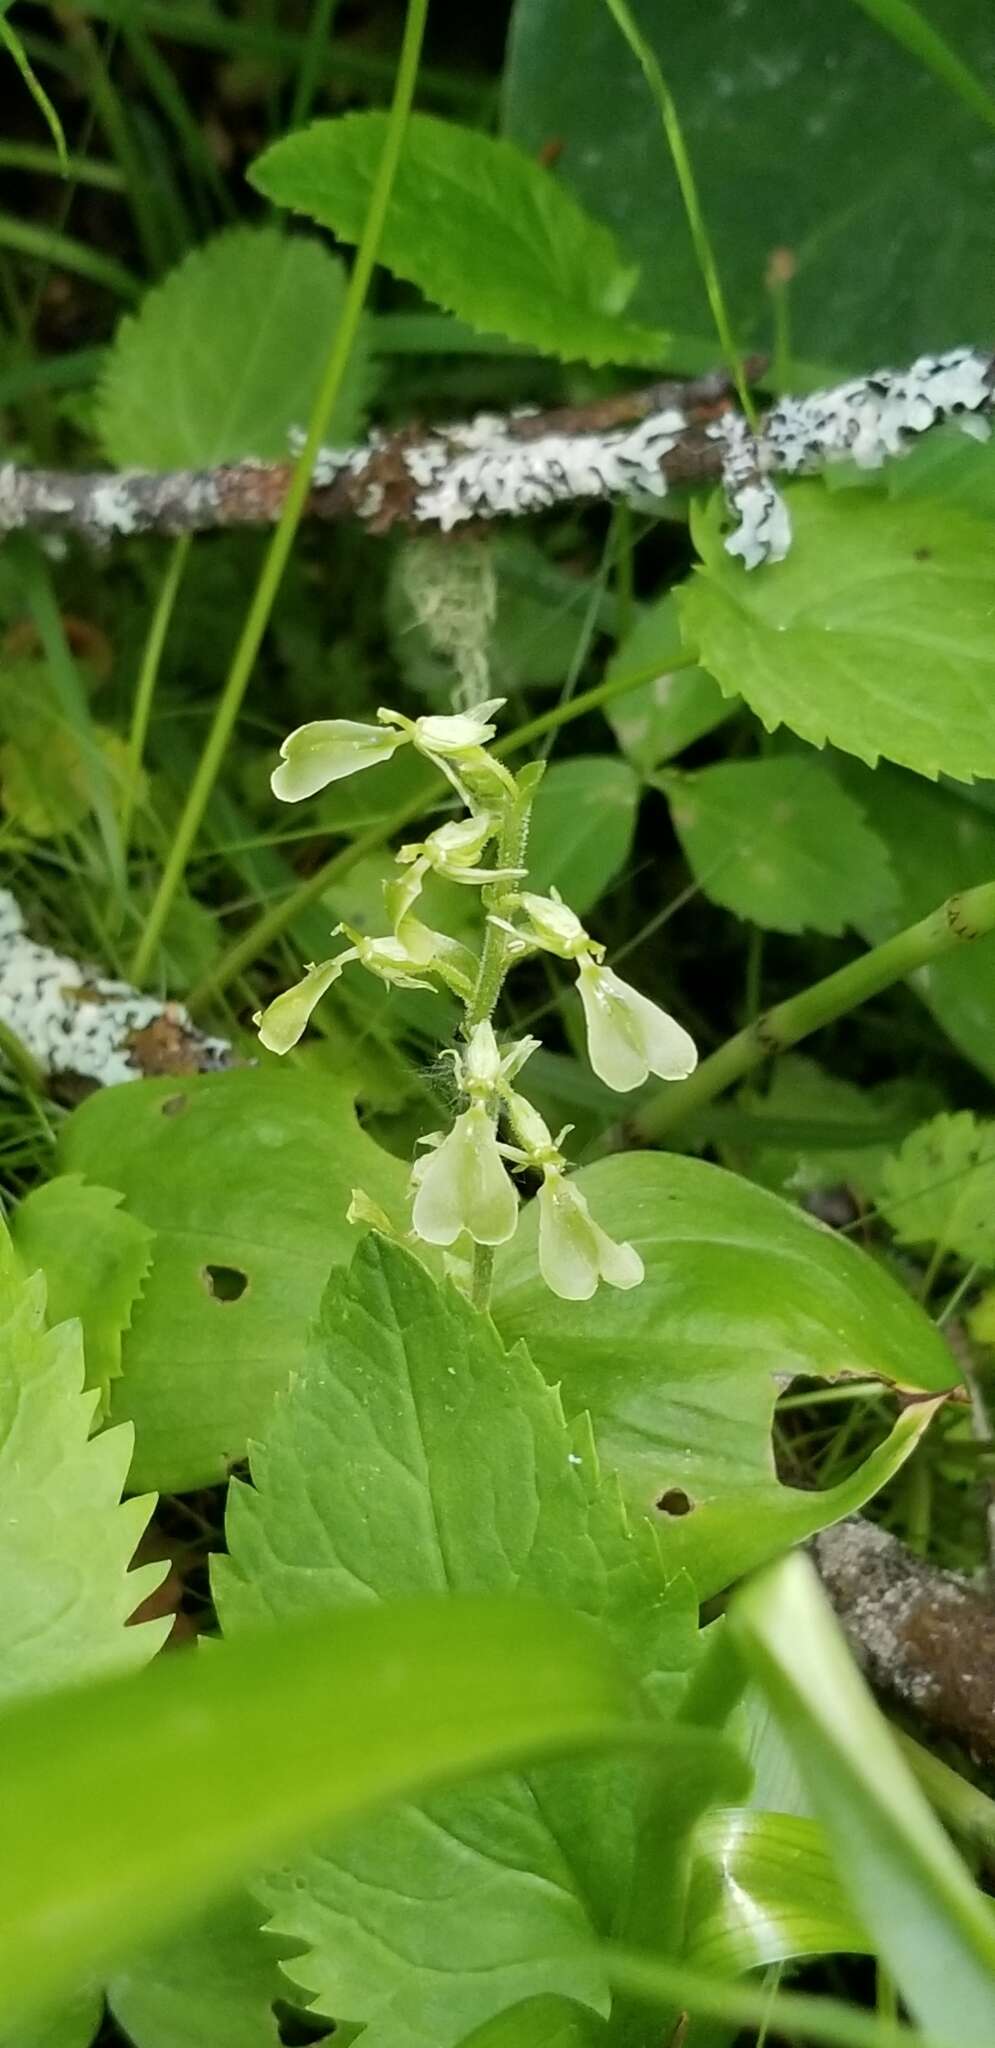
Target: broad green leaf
(940, 1188)
(477, 225)
(938, 843)
(780, 844)
(94, 1257)
(130, 1804)
(66, 1538)
(812, 1130)
(433, 1919)
(681, 1374)
(216, 1981)
(950, 466)
(795, 116)
(245, 1179)
(541, 2023)
(874, 634)
(764, 1890)
(661, 717)
(582, 826)
(932, 1928)
(224, 356)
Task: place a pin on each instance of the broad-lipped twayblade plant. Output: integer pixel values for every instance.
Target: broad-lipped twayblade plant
(463, 1186)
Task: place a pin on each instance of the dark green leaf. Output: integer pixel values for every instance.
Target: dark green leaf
(795, 116)
(940, 1188)
(661, 717)
(582, 826)
(216, 1981)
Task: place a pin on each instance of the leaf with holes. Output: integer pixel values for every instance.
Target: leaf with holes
(477, 225)
(680, 1375)
(780, 844)
(439, 1916)
(66, 1538)
(225, 356)
(94, 1257)
(583, 822)
(809, 131)
(874, 634)
(940, 1188)
(245, 1179)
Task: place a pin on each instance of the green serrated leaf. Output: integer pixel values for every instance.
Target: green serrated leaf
(130, 1804)
(680, 1375)
(414, 1452)
(660, 718)
(94, 1257)
(478, 226)
(583, 822)
(940, 1188)
(795, 116)
(245, 1179)
(874, 634)
(225, 356)
(931, 1926)
(779, 843)
(216, 1981)
(67, 1540)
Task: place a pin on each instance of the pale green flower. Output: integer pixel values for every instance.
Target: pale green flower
(326, 751)
(628, 1037)
(463, 1185)
(574, 1252)
(555, 926)
(455, 735)
(284, 1020)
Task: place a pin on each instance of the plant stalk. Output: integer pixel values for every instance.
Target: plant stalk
(962, 918)
(278, 551)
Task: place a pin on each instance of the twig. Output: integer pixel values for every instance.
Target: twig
(637, 448)
(79, 1026)
(925, 1637)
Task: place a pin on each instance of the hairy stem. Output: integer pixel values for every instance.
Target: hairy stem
(257, 617)
(969, 915)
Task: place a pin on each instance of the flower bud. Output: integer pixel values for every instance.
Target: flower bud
(574, 1252)
(628, 1037)
(555, 926)
(326, 751)
(454, 735)
(480, 1064)
(284, 1020)
(463, 1185)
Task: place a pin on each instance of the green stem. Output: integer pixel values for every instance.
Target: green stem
(280, 916)
(967, 1810)
(313, 60)
(21, 1061)
(281, 543)
(647, 59)
(970, 915)
(148, 676)
(494, 952)
(482, 1276)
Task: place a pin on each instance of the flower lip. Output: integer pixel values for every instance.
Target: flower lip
(327, 750)
(285, 1019)
(463, 1186)
(455, 733)
(628, 1036)
(574, 1252)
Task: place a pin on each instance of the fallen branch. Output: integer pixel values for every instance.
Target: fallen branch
(925, 1637)
(637, 448)
(77, 1026)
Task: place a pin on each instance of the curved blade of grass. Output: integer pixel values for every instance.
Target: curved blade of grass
(931, 1927)
(792, 2014)
(15, 49)
(129, 1804)
(64, 253)
(907, 24)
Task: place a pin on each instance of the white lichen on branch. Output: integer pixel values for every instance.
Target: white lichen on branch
(635, 448)
(79, 1024)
